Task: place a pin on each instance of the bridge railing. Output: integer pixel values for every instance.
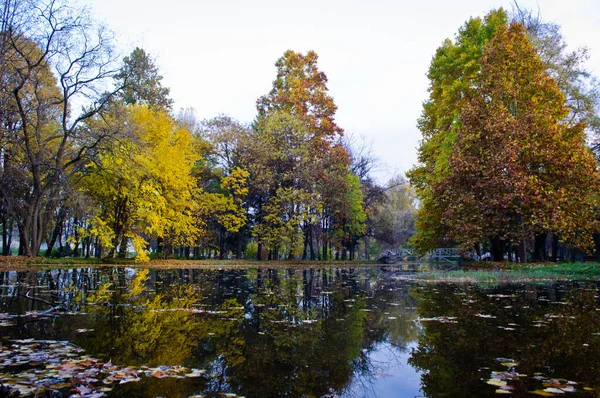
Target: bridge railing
(450, 255)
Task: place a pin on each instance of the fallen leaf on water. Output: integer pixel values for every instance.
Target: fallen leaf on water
(543, 393)
(553, 390)
(496, 382)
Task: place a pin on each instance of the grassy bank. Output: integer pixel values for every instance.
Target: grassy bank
(506, 272)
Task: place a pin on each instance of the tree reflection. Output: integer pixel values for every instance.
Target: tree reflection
(257, 333)
(549, 330)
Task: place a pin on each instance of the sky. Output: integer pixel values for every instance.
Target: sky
(218, 56)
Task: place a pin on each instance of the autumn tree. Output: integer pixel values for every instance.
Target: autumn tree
(54, 55)
(301, 90)
(144, 186)
(452, 76)
(517, 169)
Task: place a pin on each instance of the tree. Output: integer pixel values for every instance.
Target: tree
(281, 166)
(54, 55)
(517, 169)
(349, 218)
(394, 217)
(301, 90)
(567, 68)
(227, 141)
(144, 186)
(452, 75)
(142, 83)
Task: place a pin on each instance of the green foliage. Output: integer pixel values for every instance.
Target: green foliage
(251, 249)
(142, 83)
(452, 75)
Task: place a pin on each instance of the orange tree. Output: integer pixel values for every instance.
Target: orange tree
(516, 169)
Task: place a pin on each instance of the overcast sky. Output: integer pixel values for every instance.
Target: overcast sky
(218, 56)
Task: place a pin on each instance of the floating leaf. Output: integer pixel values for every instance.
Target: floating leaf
(497, 382)
(543, 393)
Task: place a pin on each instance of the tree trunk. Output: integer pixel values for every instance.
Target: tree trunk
(554, 248)
(221, 244)
(259, 251)
(539, 248)
(522, 253)
(238, 248)
(478, 249)
(305, 249)
(54, 237)
(498, 248)
(311, 245)
(22, 242)
(7, 232)
(123, 247)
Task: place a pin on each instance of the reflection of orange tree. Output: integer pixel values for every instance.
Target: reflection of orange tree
(540, 337)
(135, 328)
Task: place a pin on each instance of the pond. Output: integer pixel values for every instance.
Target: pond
(331, 332)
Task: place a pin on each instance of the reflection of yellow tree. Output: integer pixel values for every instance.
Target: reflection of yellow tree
(135, 328)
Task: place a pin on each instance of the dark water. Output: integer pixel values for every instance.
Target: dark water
(297, 333)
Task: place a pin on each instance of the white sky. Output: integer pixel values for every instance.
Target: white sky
(218, 56)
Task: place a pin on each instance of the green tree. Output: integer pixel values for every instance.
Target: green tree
(141, 82)
(282, 164)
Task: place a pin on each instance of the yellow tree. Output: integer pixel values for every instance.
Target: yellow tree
(144, 185)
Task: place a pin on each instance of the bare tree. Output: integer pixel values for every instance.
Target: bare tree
(56, 59)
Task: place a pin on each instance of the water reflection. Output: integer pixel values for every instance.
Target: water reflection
(257, 333)
(329, 332)
(545, 335)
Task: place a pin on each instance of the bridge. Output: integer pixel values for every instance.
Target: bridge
(441, 255)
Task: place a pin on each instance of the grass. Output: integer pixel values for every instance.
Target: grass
(506, 273)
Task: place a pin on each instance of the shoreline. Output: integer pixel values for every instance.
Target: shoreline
(466, 273)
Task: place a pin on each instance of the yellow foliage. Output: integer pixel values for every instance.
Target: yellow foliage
(145, 186)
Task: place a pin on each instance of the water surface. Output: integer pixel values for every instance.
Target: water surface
(332, 332)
